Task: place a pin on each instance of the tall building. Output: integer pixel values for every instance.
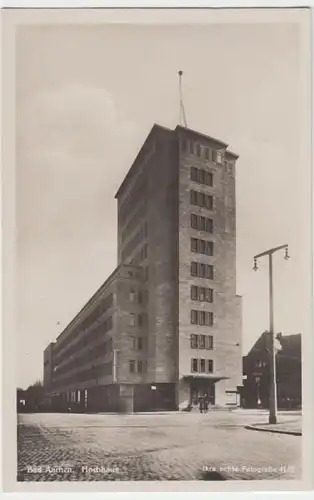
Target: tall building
(165, 328)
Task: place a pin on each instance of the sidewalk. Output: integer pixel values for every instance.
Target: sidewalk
(291, 427)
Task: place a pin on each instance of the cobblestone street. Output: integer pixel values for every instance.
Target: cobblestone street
(178, 446)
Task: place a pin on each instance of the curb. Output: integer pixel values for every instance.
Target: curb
(275, 431)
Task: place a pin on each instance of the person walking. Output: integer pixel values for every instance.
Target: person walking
(201, 404)
(206, 403)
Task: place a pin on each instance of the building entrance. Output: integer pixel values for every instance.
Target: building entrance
(201, 387)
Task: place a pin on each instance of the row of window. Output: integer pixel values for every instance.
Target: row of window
(197, 149)
(201, 199)
(201, 223)
(200, 365)
(133, 199)
(88, 337)
(92, 373)
(87, 322)
(202, 246)
(202, 294)
(201, 341)
(134, 221)
(86, 356)
(201, 270)
(201, 176)
(140, 256)
(202, 318)
(139, 366)
(135, 241)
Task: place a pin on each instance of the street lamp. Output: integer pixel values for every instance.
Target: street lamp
(273, 384)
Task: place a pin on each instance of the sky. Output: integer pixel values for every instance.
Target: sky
(87, 97)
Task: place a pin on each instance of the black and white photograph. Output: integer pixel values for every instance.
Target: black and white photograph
(162, 237)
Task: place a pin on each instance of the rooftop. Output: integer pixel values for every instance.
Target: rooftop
(178, 128)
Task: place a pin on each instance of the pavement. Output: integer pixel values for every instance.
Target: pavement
(141, 447)
(292, 427)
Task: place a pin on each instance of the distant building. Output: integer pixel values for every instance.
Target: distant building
(256, 371)
(165, 327)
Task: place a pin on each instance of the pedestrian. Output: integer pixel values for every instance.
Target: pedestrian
(201, 404)
(206, 402)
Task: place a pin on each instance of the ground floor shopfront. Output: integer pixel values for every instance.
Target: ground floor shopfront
(129, 398)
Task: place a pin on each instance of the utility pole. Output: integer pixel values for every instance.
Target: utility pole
(273, 381)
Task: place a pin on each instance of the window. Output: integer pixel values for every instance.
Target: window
(201, 246)
(202, 318)
(209, 295)
(201, 294)
(214, 155)
(194, 221)
(219, 157)
(201, 365)
(201, 342)
(140, 366)
(194, 245)
(209, 248)
(206, 153)
(210, 366)
(209, 226)
(194, 173)
(132, 366)
(132, 320)
(194, 317)
(208, 342)
(194, 292)
(193, 197)
(209, 318)
(209, 202)
(201, 223)
(140, 298)
(194, 341)
(209, 178)
(193, 268)
(132, 296)
(202, 270)
(201, 176)
(194, 365)
(209, 272)
(140, 320)
(201, 199)
(140, 343)
(197, 149)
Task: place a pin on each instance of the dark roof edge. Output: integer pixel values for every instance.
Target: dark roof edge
(131, 169)
(205, 136)
(233, 155)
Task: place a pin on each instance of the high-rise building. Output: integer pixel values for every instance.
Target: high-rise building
(165, 328)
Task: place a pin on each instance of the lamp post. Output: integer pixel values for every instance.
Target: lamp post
(273, 384)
